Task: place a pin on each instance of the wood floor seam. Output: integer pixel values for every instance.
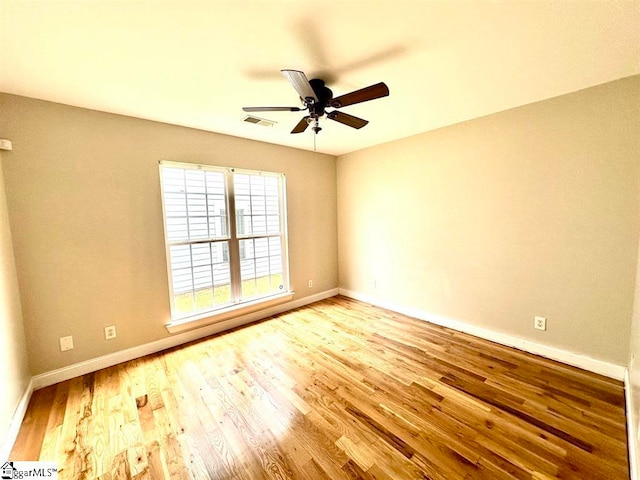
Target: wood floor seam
(338, 389)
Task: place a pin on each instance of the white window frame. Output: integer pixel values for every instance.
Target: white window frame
(238, 306)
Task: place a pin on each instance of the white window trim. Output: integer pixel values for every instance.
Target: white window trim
(238, 308)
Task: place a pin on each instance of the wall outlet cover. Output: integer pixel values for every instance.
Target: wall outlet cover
(540, 323)
(110, 332)
(66, 343)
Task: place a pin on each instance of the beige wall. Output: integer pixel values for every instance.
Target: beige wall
(84, 203)
(532, 211)
(14, 370)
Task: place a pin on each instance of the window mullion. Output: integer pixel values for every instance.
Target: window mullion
(234, 247)
(282, 199)
(193, 280)
(186, 206)
(206, 209)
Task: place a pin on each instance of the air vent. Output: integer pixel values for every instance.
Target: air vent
(259, 121)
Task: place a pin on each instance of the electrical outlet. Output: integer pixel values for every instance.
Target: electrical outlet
(310, 283)
(110, 332)
(539, 323)
(66, 343)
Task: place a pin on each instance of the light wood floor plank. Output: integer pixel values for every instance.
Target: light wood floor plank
(335, 390)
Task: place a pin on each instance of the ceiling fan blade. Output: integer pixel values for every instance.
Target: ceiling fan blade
(347, 119)
(363, 95)
(302, 125)
(299, 81)
(271, 109)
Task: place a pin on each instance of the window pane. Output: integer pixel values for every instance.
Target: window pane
(275, 246)
(246, 249)
(198, 237)
(243, 214)
(198, 228)
(183, 303)
(272, 206)
(241, 184)
(215, 183)
(275, 264)
(177, 229)
(201, 276)
(259, 224)
(182, 281)
(173, 179)
(220, 252)
(261, 247)
(217, 227)
(216, 205)
(194, 204)
(201, 254)
(263, 285)
(257, 205)
(257, 184)
(271, 186)
(261, 266)
(248, 278)
(221, 273)
(194, 181)
(175, 204)
(273, 223)
(222, 283)
(180, 257)
(204, 298)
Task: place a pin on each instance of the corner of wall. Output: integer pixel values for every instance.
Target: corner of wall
(14, 366)
(632, 431)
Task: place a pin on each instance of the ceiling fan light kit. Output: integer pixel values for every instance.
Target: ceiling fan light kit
(316, 97)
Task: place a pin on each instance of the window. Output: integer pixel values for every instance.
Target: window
(216, 260)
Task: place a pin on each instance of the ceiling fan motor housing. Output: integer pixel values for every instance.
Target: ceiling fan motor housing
(324, 95)
(316, 97)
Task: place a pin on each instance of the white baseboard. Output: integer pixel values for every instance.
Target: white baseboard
(607, 369)
(49, 378)
(16, 422)
(94, 364)
(632, 434)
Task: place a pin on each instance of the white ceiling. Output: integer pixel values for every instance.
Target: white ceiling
(198, 63)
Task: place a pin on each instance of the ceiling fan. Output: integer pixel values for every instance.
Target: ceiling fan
(316, 97)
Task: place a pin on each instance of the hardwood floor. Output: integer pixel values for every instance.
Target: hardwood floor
(337, 389)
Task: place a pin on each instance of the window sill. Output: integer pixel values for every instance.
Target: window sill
(202, 320)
